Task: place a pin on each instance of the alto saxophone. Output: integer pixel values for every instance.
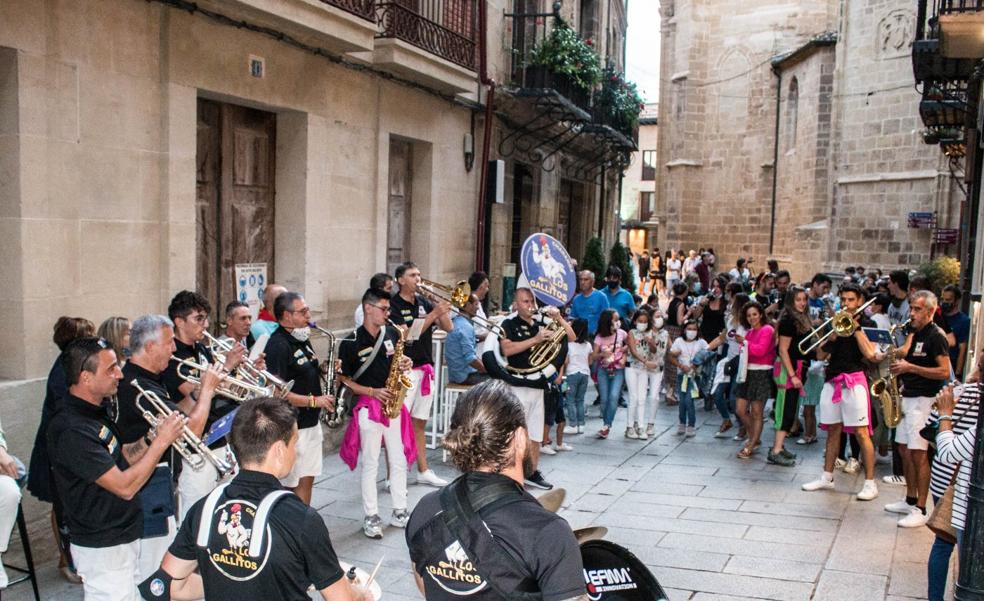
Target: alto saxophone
(397, 382)
(886, 389)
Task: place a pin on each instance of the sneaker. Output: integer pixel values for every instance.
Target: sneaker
(899, 507)
(536, 480)
(400, 518)
(546, 449)
(572, 430)
(915, 519)
(853, 466)
(650, 430)
(372, 526)
(430, 478)
(603, 433)
(722, 431)
(820, 483)
(896, 480)
(839, 464)
(563, 447)
(630, 432)
(681, 430)
(780, 459)
(806, 440)
(869, 491)
(642, 434)
(787, 454)
(691, 432)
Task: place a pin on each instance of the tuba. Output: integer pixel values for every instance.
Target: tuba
(189, 446)
(886, 389)
(842, 324)
(397, 382)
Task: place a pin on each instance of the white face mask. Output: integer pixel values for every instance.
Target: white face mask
(658, 323)
(301, 334)
(690, 334)
(641, 327)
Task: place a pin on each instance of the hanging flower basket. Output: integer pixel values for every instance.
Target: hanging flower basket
(565, 62)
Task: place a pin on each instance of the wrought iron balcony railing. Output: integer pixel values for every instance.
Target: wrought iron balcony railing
(444, 28)
(365, 9)
(944, 7)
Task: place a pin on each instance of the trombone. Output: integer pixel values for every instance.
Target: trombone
(233, 388)
(247, 371)
(458, 297)
(189, 446)
(842, 324)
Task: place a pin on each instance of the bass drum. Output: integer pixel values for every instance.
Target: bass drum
(612, 572)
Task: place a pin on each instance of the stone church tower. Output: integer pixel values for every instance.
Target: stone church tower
(790, 129)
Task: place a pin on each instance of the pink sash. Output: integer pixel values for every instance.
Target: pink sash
(353, 439)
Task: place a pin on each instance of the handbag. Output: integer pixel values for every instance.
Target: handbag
(939, 520)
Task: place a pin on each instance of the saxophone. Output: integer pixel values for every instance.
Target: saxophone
(886, 389)
(397, 382)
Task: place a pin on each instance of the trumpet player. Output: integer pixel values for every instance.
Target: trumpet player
(96, 479)
(151, 345)
(922, 372)
(290, 356)
(189, 313)
(238, 321)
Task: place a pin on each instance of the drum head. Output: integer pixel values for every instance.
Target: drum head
(613, 573)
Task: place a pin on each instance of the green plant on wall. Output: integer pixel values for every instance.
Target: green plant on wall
(941, 272)
(619, 101)
(619, 257)
(563, 52)
(594, 261)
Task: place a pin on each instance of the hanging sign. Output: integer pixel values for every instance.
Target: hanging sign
(251, 278)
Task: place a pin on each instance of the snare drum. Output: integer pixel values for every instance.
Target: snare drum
(613, 573)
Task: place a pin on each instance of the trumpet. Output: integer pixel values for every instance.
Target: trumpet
(841, 324)
(458, 296)
(189, 446)
(247, 371)
(232, 388)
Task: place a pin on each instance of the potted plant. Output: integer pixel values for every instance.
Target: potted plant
(618, 103)
(565, 62)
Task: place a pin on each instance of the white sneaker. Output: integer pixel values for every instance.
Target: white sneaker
(571, 430)
(915, 519)
(853, 466)
(4, 579)
(630, 432)
(372, 526)
(869, 491)
(642, 434)
(563, 447)
(430, 478)
(400, 518)
(651, 430)
(899, 507)
(580, 429)
(820, 483)
(547, 450)
(839, 464)
(896, 480)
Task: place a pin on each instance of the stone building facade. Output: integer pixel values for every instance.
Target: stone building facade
(641, 212)
(790, 130)
(146, 148)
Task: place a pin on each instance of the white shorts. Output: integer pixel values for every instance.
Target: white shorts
(108, 573)
(194, 484)
(851, 411)
(310, 456)
(532, 401)
(417, 404)
(915, 412)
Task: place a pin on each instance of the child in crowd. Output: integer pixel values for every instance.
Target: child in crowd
(578, 375)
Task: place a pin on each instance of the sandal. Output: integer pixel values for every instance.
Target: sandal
(744, 453)
(807, 440)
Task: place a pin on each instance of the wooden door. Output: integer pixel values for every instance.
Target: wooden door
(235, 203)
(398, 218)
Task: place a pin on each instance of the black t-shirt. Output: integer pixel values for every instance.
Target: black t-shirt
(83, 445)
(672, 310)
(711, 323)
(539, 540)
(403, 313)
(290, 359)
(355, 348)
(845, 354)
(296, 552)
(518, 330)
(129, 421)
(928, 344)
(201, 354)
(788, 327)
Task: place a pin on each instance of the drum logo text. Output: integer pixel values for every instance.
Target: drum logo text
(606, 580)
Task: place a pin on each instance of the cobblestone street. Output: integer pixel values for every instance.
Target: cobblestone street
(711, 527)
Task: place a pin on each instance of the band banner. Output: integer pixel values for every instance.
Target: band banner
(548, 269)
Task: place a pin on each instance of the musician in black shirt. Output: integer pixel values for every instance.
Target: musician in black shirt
(405, 307)
(921, 373)
(290, 356)
(367, 356)
(251, 539)
(97, 478)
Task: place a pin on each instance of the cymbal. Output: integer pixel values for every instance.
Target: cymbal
(590, 533)
(552, 500)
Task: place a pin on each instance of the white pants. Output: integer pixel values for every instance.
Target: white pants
(194, 484)
(643, 386)
(532, 401)
(371, 435)
(10, 496)
(108, 573)
(152, 551)
(419, 405)
(310, 456)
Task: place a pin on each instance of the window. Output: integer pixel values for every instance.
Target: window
(647, 205)
(648, 165)
(792, 116)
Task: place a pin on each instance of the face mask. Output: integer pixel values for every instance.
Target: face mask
(301, 334)
(869, 311)
(641, 327)
(658, 323)
(947, 307)
(690, 334)
(697, 288)
(613, 285)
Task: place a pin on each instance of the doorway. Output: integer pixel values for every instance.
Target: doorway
(400, 204)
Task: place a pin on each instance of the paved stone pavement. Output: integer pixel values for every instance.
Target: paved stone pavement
(710, 526)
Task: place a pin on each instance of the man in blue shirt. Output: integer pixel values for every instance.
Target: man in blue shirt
(959, 322)
(464, 364)
(589, 303)
(619, 298)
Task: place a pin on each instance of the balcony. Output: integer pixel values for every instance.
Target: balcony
(960, 27)
(431, 41)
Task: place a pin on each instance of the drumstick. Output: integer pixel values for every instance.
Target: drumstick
(374, 570)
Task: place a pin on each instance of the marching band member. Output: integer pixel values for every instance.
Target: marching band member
(528, 549)
(406, 307)
(251, 539)
(97, 485)
(366, 356)
(151, 344)
(266, 321)
(844, 401)
(238, 322)
(922, 373)
(379, 281)
(290, 356)
(188, 312)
